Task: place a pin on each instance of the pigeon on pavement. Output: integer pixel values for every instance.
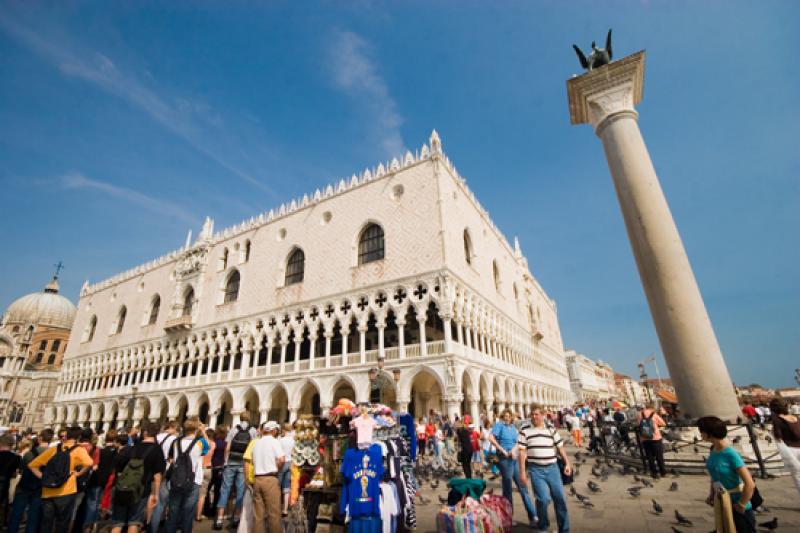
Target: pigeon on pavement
(682, 519)
(657, 507)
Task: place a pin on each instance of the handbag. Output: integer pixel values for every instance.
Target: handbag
(565, 479)
(756, 500)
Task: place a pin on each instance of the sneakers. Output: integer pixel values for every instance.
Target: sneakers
(217, 525)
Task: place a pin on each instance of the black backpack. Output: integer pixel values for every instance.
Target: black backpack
(239, 444)
(181, 477)
(58, 468)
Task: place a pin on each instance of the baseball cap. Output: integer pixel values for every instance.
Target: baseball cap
(272, 426)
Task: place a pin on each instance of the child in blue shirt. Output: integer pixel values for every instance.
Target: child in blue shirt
(726, 467)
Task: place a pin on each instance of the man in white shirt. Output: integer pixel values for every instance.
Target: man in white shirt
(268, 459)
(183, 501)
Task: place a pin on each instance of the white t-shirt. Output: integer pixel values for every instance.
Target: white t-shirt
(287, 444)
(166, 443)
(266, 452)
(196, 455)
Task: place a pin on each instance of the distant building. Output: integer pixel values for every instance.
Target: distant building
(605, 377)
(754, 393)
(659, 390)
(34, 332)
(629, 390)
(583, 376)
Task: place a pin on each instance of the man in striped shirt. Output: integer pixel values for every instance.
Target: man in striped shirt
(539, 461)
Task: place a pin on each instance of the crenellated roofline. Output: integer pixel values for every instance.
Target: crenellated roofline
(430, 151)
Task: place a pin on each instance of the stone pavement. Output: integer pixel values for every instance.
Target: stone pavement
(616, 511)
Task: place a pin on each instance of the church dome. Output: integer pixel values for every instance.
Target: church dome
(46, 308)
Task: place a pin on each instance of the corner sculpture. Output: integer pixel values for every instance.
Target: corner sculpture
(598, 57)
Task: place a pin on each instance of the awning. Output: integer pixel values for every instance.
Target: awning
(667, 396)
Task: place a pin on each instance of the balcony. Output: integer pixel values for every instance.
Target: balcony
(182, 323)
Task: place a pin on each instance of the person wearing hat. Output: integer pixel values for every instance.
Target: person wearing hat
(268, 459)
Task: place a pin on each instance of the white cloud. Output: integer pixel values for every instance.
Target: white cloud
(76, 180)
(355, 73)
(188, 120)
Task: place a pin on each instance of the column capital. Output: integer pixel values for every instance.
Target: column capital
(606, 91)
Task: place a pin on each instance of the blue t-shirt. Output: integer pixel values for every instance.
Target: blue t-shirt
(362, 471)
(506, 435)
(722, 467)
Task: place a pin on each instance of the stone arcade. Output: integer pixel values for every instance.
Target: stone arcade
(394, 285)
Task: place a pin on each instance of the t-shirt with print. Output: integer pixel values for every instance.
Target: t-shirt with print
(154, 462)
(79, 458)
(722, 466)
(195, 454)
(362, 471)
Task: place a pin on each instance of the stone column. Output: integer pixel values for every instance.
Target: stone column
(328, 337)
(605, 98)
(362, 342)
(474, 410)
(401, 338)
(423, 341)
(312, 340)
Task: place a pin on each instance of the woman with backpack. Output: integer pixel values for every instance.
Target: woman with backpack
(649, 424)
(185, 478)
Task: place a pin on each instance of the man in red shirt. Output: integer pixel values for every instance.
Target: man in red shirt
(749, 411)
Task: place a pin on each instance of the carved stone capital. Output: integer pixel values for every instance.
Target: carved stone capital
(606, 91)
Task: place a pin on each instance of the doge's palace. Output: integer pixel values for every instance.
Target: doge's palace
(392, 286)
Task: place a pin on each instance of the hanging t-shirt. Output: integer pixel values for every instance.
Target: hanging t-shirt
(389, 507)
(364, 426)
(362, 471)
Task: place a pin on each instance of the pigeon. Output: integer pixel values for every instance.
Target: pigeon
(657, 508)
(634, 491)
(637, 479)
(581, 497)
(696, 449)
(771, 525)
(737, 439)
(768, 439)
(572, 490)
(594, 487)
(435, 483)
(442, 499)
(587, 504)
(647, 483)
(682, 519)
(578, 456)
(673, 487)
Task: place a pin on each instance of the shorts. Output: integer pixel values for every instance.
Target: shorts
(129, 515)
(477, 457)
(206, 481)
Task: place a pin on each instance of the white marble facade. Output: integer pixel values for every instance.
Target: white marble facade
(450, 316)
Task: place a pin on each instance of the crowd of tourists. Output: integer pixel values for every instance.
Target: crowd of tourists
(147, 478)
(151, 477)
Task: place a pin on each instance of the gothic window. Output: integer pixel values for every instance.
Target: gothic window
(121, 319)
(154, 307)
(370, 244)
(56, 345)
(467, 247)
(232, 287)
(223, 260)
(43, 345)
(39, 357)
(247, 246)
(52, 359)
(188, 301)
(295, 267)
(496, 274)
(90, 329)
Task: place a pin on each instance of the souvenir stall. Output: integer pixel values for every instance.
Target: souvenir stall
(353, 470)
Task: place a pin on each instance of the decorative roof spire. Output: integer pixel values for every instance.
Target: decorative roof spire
(517, 249)
(436, 143)
(208, 230)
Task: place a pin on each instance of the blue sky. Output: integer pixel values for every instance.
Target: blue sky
(123, 125)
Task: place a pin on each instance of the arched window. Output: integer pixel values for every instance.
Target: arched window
(370, 244)
(52, 359)
(232, 287)
(467, 247)
(90, 328)
(516, 292)
(39, 357)
(121, 319)
(295, 266)
(188, 302)
(56, 345)
(247, 246)
(154, 310)
(496, 274)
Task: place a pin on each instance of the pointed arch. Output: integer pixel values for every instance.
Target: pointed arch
(371, 244)
(232, 287)
(295, 266)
